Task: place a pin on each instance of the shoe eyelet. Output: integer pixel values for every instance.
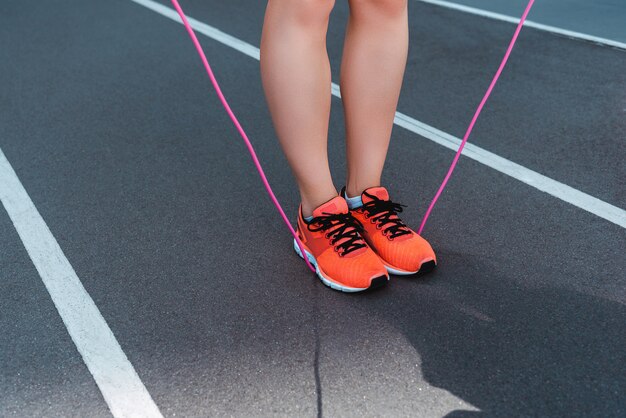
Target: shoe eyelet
(367, 216)
(378, 227)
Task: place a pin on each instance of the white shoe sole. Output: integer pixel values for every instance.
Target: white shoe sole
(328, 282)
(426, 266)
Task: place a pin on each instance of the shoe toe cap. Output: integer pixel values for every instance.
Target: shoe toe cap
(410, 254)
(357, 272)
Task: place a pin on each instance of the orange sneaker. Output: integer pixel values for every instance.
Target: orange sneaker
(401, 250)
(333, 244)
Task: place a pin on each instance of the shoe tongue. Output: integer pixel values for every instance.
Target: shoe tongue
(379, 192)
(333, 206)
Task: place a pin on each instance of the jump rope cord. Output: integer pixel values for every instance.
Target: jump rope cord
(476, 115)
(257, 164)
(243, 134)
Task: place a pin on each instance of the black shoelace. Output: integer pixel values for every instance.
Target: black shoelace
(381, 212)
(339, 227)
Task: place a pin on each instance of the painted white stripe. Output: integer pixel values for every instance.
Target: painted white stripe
(122, 389)
(204, 29)
(557, 189)
(528, 23)
(532, 178)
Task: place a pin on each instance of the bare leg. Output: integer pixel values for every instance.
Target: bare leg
(374, 59)
(295, 71)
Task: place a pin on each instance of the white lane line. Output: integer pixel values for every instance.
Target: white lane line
(529, 23)
(204, 29)
(557, 189)
(120, 385)
(525, 175)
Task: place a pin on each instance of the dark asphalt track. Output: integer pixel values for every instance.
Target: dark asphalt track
(111, 125)
(602, 18)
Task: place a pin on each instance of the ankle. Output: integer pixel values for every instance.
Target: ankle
(355, 190)
(310, 203)
(353, 202)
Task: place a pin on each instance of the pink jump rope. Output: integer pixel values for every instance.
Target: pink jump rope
(258, 164)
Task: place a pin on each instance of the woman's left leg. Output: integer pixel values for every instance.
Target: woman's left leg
(372, 68)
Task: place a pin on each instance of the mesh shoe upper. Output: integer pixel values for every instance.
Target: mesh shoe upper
(334, 238)
(394, 242)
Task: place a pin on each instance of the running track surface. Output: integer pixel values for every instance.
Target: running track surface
(600, 18)
(111, 126)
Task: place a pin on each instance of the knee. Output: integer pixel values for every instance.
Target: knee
(379, 8)
(311, 12)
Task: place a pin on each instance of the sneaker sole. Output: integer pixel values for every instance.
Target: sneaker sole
(375, 283)
(425, 267)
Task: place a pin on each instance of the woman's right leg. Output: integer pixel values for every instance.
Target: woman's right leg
(295, 71)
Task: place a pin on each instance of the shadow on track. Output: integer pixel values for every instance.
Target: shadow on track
(525, 351)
